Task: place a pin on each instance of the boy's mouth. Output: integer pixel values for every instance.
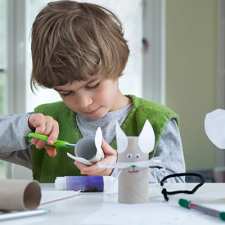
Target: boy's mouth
(92, 111)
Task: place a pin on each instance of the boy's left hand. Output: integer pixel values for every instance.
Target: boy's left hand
(94, 170)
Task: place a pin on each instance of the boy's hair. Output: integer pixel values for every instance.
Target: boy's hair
(73, 40)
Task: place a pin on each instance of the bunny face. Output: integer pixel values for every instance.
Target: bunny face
(135, 149)
(133, 152)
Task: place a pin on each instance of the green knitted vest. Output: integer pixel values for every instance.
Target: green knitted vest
(46, 169)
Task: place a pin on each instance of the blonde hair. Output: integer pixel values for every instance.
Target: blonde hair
(72, 41)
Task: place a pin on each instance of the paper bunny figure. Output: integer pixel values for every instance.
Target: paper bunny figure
(134, 152)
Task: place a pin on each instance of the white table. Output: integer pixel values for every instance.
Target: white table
(103, 209)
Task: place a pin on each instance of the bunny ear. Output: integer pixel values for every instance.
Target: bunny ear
(146, 139)
(215, 127)
(98, 138)
(121, 139)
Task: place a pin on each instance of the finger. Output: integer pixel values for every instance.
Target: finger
(37, 121)
(80, 165)
(104, 172)
(109, 160)
(40, 144)
(45, 125)
(107, 149)
(34, 141)
(48, 125)
(51, 151)
(93, 170)
(54, 133)
(85, 169)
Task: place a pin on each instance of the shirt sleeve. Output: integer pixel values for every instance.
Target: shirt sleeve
(13, 145)
(170, 154)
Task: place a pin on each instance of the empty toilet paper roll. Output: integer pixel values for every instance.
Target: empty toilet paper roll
(19, 194)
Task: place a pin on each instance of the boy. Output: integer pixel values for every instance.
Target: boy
(79, 50)
(14, 129)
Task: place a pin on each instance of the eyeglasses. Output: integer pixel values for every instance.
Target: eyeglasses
(166, 193)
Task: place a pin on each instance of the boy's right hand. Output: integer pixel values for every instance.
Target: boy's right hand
(45, 125)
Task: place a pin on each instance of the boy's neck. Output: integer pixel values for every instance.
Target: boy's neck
(121, 101)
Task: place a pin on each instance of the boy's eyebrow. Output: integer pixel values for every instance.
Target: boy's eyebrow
(88, 82)
(56, 89)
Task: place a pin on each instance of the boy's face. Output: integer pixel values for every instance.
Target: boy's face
(93, 98)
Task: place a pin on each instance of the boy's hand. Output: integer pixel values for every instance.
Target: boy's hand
(45, 125)
(94, 170)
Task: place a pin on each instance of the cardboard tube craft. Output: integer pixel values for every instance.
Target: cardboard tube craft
(88, 150)
(133, 164)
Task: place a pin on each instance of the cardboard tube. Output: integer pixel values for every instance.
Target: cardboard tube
(133, 187)
(19, 194)
(87, 149)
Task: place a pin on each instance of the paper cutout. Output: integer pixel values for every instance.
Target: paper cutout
(121, 138)
(133, 164)
(146, 140)
(79, 159)
(138, 165)
(98, 139)
(88, 150)
(19, 194)
(215, 127)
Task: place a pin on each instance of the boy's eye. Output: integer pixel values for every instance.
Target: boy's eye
(64, 94)
(90, 86)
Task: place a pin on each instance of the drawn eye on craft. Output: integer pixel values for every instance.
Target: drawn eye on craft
(129, 156)
(137, 156)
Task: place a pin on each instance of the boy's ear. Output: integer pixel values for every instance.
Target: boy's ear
(121, 139)
(98, 137)
(146, 139)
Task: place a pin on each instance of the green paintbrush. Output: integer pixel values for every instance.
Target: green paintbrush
(57, 143)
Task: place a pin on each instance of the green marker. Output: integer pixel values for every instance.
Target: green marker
(211, 212)
(57, 143)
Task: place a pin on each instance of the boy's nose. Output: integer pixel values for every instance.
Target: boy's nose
(85, 101)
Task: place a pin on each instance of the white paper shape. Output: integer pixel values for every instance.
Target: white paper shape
(124, 165)
(98, 139)
(79, 159)
(146, 139)
(215, 127)
(121, 139)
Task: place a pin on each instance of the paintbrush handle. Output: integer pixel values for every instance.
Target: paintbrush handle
(42, 137)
